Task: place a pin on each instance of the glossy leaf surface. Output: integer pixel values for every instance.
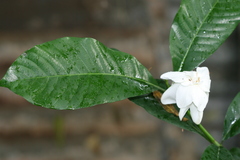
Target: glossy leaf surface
(232, 119)
(214, 152)
(235, 153)
(71, 73)
(199, 28)
(152, 106)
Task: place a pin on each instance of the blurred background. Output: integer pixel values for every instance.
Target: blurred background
(115, 131)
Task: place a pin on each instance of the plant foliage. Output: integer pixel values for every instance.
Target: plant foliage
(199, 28)
(71, 73)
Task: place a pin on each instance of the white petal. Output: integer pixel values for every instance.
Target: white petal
(174, 76)
(200, 98)
(186, 83)
(205, 81)
(190, 74)
(182, 112)
(169, 96)
(203, 72)
(196, 114)
(184, 96)
(205, 85)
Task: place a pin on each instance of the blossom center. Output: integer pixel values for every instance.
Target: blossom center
(194, 80)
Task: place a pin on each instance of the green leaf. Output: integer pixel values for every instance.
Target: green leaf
(214, 152)
(232, 119)
(199, 28)
(71, 73)
(153, 107)
(235, 153)
(1, 83)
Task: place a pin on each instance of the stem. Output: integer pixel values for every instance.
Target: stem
(209, 136)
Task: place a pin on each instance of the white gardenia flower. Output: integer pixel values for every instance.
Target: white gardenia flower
(190, 90)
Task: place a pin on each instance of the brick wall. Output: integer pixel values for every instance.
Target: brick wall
(113, 131)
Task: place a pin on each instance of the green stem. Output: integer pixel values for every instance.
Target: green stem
(209, 136)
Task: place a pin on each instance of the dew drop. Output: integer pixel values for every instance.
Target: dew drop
(24, 54)
(111, 68)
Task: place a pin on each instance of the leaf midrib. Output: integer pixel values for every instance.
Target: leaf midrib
(187, 52)
(92, 74)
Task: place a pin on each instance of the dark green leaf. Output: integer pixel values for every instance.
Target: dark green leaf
(214, 152)
(1, 83)
(71, 73)
(152, 106)
(235, 153)
(232, 119)
(199, 28)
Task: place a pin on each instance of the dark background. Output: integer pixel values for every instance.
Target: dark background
(115, 131)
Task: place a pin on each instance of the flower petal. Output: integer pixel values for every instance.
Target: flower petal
(203, 72)
(184, 96)
(205, 85)
(196, 114)
(182, 112)
(200, 98)
(174, 76)
(190, 74)
(205, 81)
(169, 96)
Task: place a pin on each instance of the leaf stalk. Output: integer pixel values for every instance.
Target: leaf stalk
(208, 136)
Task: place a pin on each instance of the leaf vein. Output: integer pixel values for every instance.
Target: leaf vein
(193, 39)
